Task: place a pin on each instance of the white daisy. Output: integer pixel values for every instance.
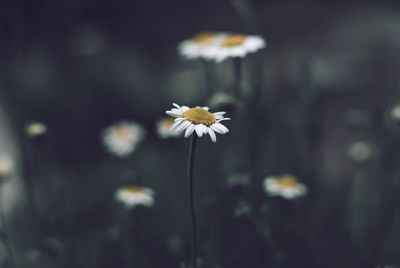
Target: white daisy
(34, 129)
(233, 45)
(395, 112)
(122, 137)
(132, 196)
(163, 127)
(6, 165)
(286, 186)
(195, 47)
(197, 119)
(360, 151)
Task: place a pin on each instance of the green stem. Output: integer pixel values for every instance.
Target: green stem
(192, 150)
(237, 76)
(6, 234)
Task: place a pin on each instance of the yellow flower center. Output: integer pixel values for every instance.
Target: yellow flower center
(233, 40)
(199, 116)
(122, 132)
(203, 38)
(287, 181)
(133, 190)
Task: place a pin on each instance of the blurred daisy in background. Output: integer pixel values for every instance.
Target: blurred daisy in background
(233, 46)
(195, 47)
(132, 196)
(197, 119)
(395, 113)
(360, 151)
(220, 99)
(34, 129)
(163, 127)
(238, 179)
(286, 186)
(6, 165)
(122, 138)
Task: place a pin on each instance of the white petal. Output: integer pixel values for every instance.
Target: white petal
(182, 126)
(205, 108)
(212, 134)
(176, 105)
(177, 123)
(176, 110)
(224, 128)
(184, 108)
(226, 118)
(179, 119)
(219, 113)
(189, 130)
(174, 114)
(200, 129)
(218, 117)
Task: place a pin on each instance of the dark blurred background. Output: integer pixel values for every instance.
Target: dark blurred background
(328, 78)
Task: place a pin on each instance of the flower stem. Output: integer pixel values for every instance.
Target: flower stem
(192, 150)
(6, 234)
(237, 76)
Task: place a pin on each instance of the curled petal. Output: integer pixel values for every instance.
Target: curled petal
(189, 130)
(212, 134)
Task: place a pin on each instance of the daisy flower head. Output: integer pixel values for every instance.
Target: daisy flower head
(6, 165)
(198, 120)
(395, 113)
(231, 45)
(196, 46)
(34, 129)
(163, 127)
(122, 138)
(286, 186)
(132, 196)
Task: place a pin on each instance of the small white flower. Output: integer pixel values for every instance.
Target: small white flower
(122, 137)
(196, 46)
(163, 127)
(132, 196)
(238, 179)
(286, 186)
(34, 129)
(360, 151)
(6, 165)
(395, 112)
(197, 119)
(220, 99)
(232, 46)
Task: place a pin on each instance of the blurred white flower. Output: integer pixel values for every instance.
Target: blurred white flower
(286, 186)
(360, 151)
(122, 137)
(220, 99)
(6, 165)
(195, 47)
(163, 127)
(238, 179)
(34, 129)
(243, 208)
(197, 119)
(233, 45)
(395, 112)
(132, 196)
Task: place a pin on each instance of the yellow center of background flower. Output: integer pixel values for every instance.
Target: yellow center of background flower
(287, 182)
(202, 38)
(122, 132)
(233, 40)
(199, 116)
(133, 190)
